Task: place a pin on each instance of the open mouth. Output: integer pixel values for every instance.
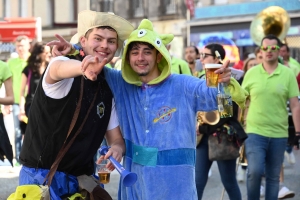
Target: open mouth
(100, 53)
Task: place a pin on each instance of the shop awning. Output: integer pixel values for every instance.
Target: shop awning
(13, 27)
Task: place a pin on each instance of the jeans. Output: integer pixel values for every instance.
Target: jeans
(265, 156)
(289, 148)
(18, 135)
(227, 169)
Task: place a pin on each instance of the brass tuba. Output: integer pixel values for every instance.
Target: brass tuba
(272, 20)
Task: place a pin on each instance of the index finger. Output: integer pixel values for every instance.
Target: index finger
(225, 65)
(60, 41)
(60, 38)
(53, 43)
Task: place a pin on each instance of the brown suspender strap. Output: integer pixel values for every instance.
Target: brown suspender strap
(66, 145)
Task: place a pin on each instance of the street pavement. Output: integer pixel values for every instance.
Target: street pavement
(213, 190)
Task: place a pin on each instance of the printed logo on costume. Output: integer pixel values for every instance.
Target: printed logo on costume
(100, 109)
(164, 114)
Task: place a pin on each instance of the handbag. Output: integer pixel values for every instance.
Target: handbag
(42, 192)
(223, 144)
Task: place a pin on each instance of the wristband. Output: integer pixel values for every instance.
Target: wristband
(76, 49)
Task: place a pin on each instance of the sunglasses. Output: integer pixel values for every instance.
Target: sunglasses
(204, 55)
(272, 48)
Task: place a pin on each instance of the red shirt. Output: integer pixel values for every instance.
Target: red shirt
(239, 65)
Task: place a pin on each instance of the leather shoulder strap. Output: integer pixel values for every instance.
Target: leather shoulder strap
(66, 145)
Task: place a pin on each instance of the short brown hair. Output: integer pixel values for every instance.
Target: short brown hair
(135, 44)
(100, 27)
(21, 37)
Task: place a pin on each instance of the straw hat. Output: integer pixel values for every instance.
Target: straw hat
(88, 19)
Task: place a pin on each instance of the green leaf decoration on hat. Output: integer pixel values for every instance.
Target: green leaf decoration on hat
(146, 33)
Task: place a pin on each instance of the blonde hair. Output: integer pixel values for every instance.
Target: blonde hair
(21, 37)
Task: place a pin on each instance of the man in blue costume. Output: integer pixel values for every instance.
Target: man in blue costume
(157, 112)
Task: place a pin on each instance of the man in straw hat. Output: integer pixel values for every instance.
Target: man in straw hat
(156, 111)
(100, 35)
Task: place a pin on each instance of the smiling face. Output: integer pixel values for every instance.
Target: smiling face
(99, 42)
(46, 55)
(143, 60)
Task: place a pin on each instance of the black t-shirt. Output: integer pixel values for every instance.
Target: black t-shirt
(33, 78)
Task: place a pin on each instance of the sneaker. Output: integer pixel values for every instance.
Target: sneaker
(209, 173)
(262, 191)
(240, 177)
(292, 158)
(285, 193)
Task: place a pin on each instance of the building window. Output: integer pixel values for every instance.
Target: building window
(138, 8)
(106, 5)
(170, 6)
(50, 13)
(220, 2)
(23, 8)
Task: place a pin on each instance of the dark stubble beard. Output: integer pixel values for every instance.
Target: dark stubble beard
(143, 74)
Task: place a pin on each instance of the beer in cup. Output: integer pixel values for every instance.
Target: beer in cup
(103, 172)
(211, 77)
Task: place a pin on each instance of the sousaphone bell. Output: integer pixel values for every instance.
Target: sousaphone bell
(272, 20)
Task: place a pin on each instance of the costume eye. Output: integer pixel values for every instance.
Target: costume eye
(142, 32)
(158, 42)
(124, 43)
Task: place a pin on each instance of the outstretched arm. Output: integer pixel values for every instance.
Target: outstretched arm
(63, 69)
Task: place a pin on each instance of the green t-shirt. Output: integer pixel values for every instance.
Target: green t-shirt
(4, 74)
(16, 66)
(294, 62)
(179, 66)
(267, 113)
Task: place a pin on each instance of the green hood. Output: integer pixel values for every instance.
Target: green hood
(145, 33)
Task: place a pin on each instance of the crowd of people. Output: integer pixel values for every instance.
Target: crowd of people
(146, 110)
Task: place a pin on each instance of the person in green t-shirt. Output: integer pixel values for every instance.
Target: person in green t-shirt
(289, 61)
(270, 86)
(192, 57)
(178, 66)
(5, 77)
(16, 66)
